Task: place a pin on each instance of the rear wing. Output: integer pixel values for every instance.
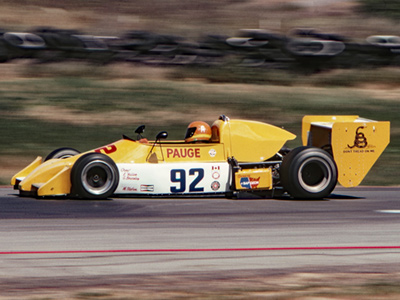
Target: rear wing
(355, 143)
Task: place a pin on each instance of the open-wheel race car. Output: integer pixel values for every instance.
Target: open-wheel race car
(230, 157)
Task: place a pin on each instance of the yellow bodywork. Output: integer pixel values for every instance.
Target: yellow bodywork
(356, 143)
(48, 178)
(247, 141)
(250, 141)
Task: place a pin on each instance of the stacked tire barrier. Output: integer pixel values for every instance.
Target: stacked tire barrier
(305, 48)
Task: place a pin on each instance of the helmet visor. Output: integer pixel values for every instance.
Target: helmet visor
(190, 132)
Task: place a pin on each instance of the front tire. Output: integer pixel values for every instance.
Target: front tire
(308, 173)
(62, 153)
(94, 176)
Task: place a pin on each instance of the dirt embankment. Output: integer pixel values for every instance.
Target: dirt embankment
(235, 285)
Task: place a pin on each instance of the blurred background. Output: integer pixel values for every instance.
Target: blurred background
(82, 73)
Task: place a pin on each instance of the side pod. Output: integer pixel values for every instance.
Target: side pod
(355, 143)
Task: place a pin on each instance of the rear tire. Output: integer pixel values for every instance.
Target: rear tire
(94, 176)
(308, 173)
(62, 153)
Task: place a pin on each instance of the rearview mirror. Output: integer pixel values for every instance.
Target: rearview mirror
(161, 135)
(140, 130)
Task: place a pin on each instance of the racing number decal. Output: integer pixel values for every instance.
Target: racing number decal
(179, 176)
(200, 175)
(107, 149)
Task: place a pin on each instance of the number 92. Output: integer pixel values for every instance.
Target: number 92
(179, 176)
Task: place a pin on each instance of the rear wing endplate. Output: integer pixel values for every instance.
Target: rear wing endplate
(356, 143)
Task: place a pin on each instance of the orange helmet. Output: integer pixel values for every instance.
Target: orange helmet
(198, 131)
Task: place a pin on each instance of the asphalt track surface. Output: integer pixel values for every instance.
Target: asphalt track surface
(357, 229)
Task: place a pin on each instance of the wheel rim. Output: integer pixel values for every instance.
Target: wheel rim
(314, 175)
(97, 177)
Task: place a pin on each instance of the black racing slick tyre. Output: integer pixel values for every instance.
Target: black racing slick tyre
(62, 153)
(94, 176)
(308, 173)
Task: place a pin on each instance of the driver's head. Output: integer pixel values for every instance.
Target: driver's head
(198, 131)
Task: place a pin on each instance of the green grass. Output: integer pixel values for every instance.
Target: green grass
(386, 8)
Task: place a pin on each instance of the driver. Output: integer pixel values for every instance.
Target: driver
(198, 131)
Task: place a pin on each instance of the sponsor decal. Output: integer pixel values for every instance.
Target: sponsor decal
(183, 152)
(147, 188)
(212, 152)
(215, 175)
(249, 182)
(129, 189)
(360, 143)
(215, 185)
(128, 174)
(215, 172)
(360, 140)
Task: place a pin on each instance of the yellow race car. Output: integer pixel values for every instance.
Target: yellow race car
(229, 157)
